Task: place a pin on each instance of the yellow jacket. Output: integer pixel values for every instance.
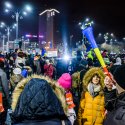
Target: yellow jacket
(91, 109)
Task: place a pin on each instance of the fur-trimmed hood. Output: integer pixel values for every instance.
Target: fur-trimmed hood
(89, 74)
(14, 79)
(59, 92)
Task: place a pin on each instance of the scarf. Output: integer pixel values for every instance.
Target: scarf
(94, 89)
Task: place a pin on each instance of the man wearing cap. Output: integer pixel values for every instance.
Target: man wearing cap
(117, 115)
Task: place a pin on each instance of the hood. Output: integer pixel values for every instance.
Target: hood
(118, 61)
(90, 73)
(59, 92)
(15, 79)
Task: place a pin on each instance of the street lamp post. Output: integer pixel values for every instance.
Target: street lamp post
(8, 38)
(17, 16)
(17, 24)
(3, 42)
(8, 29)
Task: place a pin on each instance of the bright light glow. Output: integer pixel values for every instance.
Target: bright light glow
(6, 10)
(80, 24)
(87, 19)
(35, 36)
(14, 25)
(8, 5)
(66, 57)
(24, 13)
(1, 26)
(41, 36)
(46, 47)
(92, 22)
(112, 34)
(28, 35)
(28, 8)
(100, 34)
(2, 23)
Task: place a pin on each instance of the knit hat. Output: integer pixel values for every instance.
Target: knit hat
(65, 81)
(119, 76)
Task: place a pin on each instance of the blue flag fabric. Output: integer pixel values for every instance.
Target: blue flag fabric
(43, 51)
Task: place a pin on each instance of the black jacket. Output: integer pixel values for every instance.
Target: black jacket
(110, 97)
(48, 122)
(38, 105)
(117, 116)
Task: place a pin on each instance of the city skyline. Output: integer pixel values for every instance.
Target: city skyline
(107, 15)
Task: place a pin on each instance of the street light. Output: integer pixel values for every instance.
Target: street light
(8, 29)
(8, 5)
(17, 13)
(100, 34)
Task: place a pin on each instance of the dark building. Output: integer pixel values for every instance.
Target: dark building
(48, 29)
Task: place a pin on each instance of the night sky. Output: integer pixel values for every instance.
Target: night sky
(108, 15)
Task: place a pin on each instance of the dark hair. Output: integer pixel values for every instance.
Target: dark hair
(21, 54)
(93, 76)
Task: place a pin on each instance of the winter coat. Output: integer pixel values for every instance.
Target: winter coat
(91, 109)
(37, 100)
(117, 116)
(49, 70)
(110, 97)
(37, 65)
(77, 87)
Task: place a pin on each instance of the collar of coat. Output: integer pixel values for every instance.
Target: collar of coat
(58, 90)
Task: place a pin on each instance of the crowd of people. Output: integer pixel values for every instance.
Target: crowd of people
(37, 90)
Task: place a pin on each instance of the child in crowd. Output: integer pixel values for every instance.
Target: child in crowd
(65, 82)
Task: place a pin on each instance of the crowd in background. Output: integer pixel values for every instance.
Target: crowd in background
(37, 90)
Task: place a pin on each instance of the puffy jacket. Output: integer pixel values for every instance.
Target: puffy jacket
(91, 109)
(37, 100)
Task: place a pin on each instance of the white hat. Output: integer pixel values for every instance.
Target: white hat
(17, 71)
